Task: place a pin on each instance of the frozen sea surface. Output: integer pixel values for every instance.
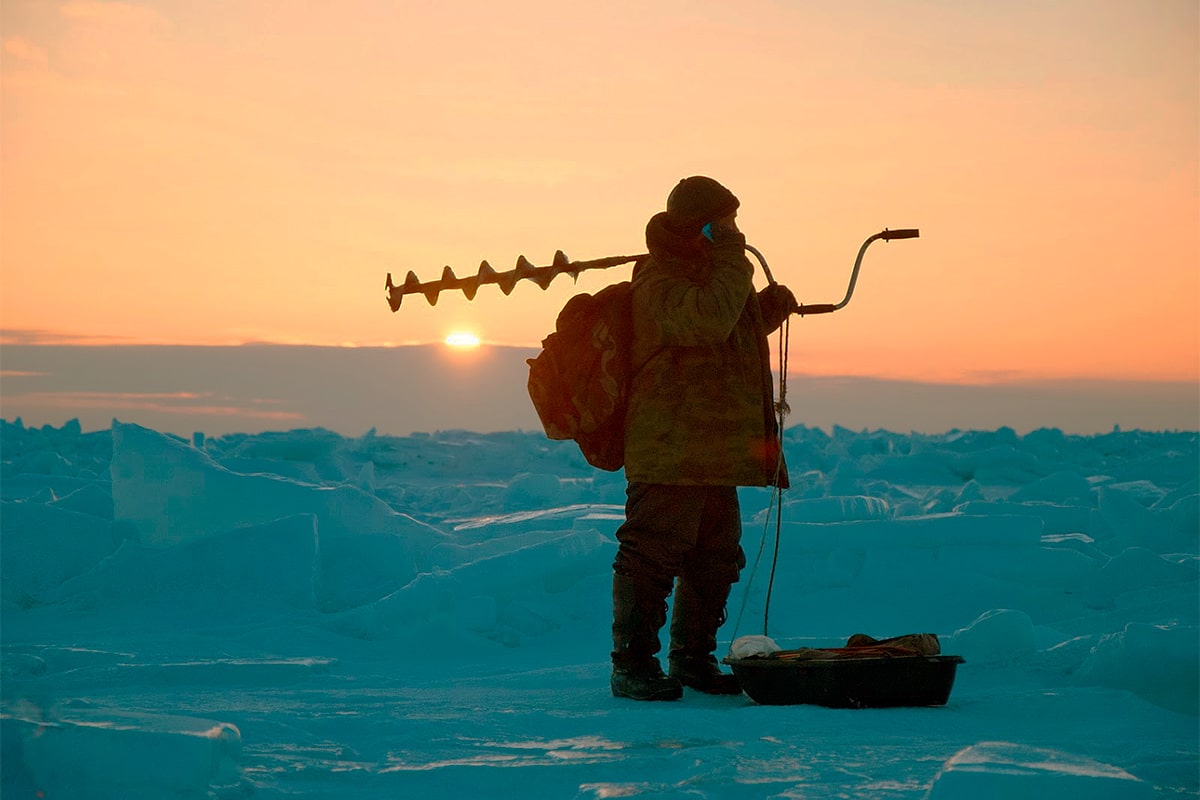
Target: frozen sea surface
(302, 614)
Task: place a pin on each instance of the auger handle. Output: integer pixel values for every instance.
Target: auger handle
(815, 308)
(763, 261)
(887, 236)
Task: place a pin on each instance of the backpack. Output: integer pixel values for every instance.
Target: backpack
(579, 382)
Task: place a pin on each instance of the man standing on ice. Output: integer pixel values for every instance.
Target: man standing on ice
(700, 423)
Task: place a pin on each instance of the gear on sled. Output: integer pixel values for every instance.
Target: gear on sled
(905, 670)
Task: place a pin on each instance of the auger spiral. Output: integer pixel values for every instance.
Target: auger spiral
(524, 271)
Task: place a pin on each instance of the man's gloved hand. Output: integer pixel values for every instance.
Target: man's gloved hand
(777, 302)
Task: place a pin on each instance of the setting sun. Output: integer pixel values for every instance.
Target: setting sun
(462, 340)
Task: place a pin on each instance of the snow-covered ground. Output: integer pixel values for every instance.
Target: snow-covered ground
(304, 614)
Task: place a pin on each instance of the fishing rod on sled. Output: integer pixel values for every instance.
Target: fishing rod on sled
(542, 276)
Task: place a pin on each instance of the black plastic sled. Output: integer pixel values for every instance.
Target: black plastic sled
(848, 683)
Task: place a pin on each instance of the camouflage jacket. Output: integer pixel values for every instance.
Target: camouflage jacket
(701, 399)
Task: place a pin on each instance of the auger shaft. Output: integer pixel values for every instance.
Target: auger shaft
(470, 284)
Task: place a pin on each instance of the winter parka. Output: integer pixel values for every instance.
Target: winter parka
(701, 398)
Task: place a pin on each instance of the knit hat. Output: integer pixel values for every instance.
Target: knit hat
(697, 200)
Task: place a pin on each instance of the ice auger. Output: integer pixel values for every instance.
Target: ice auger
(542, 276)
(505, 280)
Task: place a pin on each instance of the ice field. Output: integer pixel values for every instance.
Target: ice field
(305, 614)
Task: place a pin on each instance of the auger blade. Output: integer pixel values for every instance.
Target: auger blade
(431, 290)
(394, 297)
(524, 268)
(507, 281)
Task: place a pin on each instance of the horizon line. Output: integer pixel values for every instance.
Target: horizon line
(32, 337)
(980, 379)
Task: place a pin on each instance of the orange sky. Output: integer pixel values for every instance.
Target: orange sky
(234, 171)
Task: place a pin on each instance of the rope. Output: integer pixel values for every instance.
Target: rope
(782, 410)
(775, 508)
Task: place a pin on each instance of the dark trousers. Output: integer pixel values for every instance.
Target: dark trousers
(671, 531)
(689, 533)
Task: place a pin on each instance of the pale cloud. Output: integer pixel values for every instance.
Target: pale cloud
(109, 13)
(191, 403)
(29, 336)
(116, 45)
(25, 52)
(86, 47)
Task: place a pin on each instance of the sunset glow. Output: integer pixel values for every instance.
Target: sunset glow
(193, 173)
(462, 340)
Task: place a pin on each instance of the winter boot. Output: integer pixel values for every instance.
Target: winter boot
(639, 611)
(697, 616)
(703, 675)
